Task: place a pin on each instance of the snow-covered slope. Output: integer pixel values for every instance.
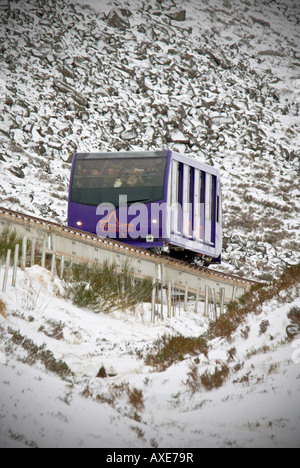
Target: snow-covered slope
(218, 80)
(51, 353)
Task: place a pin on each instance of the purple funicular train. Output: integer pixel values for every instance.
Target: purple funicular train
(158, 200)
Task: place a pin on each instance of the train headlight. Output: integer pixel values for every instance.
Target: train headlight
(79, 223)
(154, 221)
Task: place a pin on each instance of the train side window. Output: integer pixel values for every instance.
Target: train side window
(208, 197)
(202, 179)
(198, 188)
(174, 182)
(191, 186)
(197, 192)
(186, 187)
(187, 200)
(198, 210)
(180, 184)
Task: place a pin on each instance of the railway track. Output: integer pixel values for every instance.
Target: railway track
(85, 247)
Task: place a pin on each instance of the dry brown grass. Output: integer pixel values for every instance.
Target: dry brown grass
(252, 301)
(208, 381)
(2, 309)
(117, 392)
(135, 398)
(105, 288)
(169, 350)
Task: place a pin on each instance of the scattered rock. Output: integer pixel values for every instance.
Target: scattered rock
(81, 100)
(126, 12)
(67, 72)
(55, 144)
(102, 373)
(177, 15)
(179, 137)
(117, 18)
(18, 171)
(128, 135)
(261, 21)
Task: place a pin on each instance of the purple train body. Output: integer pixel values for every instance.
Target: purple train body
(158, 200)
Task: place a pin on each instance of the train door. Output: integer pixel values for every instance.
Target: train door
(174, 196)
(219, 216)
(180, 182)
(210, 208)
(180, 199)
(219, 203)
(187, 207)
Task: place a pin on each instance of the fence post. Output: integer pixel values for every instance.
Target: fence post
(32, 251)
(43, 262)
(6, 271)
(206, 303)
(173, 296)
(214, 303)
(156, 298)
(53, 257)
(196, 301)
(53, 269)
(16, 258)
(153, 302)
(24, 253)
(210, 303)
(162, 291)
(234, 293)
(162, 301)
(62, 266)
(222, 298)
(169, 300)
(186, 297)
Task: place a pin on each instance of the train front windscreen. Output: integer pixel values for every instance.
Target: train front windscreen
(105, 180)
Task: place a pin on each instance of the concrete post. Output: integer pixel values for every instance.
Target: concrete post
(24, 253)
(6, 271)
(16, 258)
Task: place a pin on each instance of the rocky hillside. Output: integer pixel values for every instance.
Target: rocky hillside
(218, 80)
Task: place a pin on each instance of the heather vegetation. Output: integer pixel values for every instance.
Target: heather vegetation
(2, 308)
(34, 353)
(105, 288)
(8, 240)
(252, 301)
(168, 350)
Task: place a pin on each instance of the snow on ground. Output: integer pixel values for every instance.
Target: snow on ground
(257, 405)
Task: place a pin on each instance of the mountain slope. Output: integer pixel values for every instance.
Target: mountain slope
(216, 80)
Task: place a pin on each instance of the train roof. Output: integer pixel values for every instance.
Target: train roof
(185, 159)
(122, 154)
